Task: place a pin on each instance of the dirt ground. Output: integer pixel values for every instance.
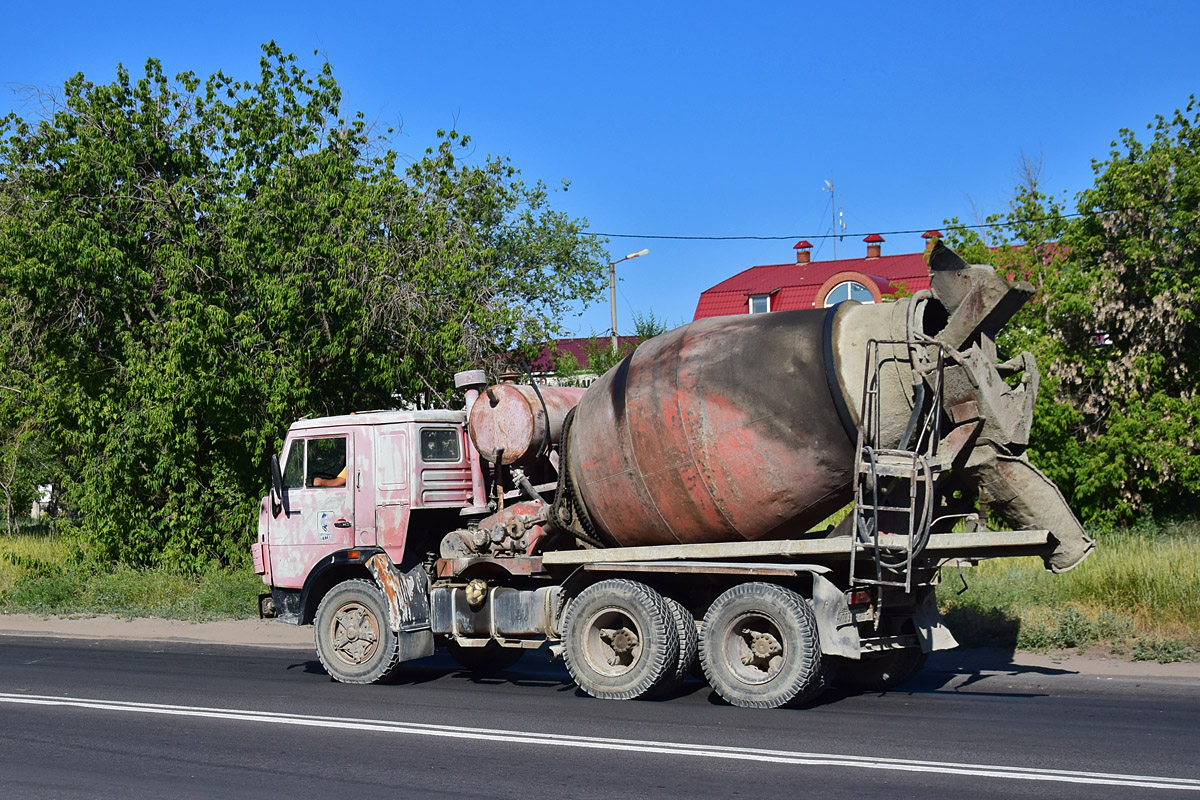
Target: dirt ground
(265, 633)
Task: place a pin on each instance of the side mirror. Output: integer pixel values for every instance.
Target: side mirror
(276, 486)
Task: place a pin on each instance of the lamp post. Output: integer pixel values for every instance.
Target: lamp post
(612, 291)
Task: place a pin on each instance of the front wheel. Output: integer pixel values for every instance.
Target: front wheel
(352, 636)
(759, 647)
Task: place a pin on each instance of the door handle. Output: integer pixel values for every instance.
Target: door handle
(341, 523)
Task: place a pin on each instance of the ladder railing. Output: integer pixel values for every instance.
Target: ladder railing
(894, 486)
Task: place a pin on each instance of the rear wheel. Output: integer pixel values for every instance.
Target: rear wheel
(882, 672)
(490, 658)
(689, 645)
(352, 636)
(759, 647)
(620, 641)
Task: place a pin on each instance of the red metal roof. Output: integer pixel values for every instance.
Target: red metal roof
(578, 348)
(795, 286)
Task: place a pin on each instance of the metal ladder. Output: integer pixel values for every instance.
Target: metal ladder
(894, 487)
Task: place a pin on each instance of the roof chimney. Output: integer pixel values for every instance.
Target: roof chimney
(802, 247)
(930, 238)
(874, 245)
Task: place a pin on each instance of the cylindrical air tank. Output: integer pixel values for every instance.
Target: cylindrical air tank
(514, 423)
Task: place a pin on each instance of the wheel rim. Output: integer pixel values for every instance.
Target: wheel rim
(354, 632)
(754, 648)
(612, 642)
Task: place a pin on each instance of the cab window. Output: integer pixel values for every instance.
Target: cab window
(327, 461)
(293, 468)
(440, 444)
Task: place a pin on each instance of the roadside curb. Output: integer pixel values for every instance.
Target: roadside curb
(240, 632)
(998, 662)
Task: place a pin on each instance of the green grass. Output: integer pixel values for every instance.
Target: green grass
(44, 573)
(1138, 594)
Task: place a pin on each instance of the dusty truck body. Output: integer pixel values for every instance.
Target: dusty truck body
(667, 514)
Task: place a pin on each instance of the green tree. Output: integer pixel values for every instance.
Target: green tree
(601, 358)
(1126, 320)
(202, 262)
(25, 453)
(1114, 322)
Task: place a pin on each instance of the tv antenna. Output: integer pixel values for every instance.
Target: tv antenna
(836, 215)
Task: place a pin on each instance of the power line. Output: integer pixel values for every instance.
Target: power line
(833, 235)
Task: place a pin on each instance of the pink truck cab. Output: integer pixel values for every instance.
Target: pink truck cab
(356, 482)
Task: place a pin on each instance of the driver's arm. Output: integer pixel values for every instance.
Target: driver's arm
(340, 480)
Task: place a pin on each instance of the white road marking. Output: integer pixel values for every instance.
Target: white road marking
(626, 745)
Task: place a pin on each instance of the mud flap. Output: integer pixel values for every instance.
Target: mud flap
(931, 629)
(835, 623)
(407, 596)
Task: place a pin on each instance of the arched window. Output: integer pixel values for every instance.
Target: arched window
(848, 290)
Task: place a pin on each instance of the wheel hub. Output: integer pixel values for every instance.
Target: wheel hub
(622, 641)
(755, 649)
(355, 634)
(762, 648)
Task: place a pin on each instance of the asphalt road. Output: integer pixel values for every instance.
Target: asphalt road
(100, 719)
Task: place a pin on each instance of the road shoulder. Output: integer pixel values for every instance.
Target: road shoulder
(246, 632)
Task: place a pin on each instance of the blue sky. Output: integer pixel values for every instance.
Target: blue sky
(696, 119)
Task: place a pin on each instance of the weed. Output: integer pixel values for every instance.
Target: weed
(1074, 630)
(1036, 637)
(1164, 651)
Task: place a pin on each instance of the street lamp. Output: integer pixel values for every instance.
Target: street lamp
(612, 291)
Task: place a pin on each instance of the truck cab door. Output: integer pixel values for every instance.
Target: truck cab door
(318, 505)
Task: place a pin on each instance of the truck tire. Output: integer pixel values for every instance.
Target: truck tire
(352, 636)
(880, 673)
(689, 645)
(486, 660)
(759, 647)
(620, 641)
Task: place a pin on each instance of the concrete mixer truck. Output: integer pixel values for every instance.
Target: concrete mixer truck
(676, 513)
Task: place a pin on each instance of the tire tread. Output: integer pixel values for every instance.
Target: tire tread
(664, 654)
(388, 665)
(810, 680)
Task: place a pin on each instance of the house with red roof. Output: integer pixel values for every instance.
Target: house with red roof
(578, 348)
(818, 284)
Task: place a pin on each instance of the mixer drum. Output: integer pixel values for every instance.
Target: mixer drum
(723, 430)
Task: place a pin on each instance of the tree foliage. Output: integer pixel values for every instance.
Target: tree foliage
(1114, 324)
(598, 351)
(199, 262)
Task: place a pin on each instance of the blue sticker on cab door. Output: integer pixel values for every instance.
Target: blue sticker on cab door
(325, 526)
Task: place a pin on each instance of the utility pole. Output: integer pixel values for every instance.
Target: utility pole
(612, 291)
